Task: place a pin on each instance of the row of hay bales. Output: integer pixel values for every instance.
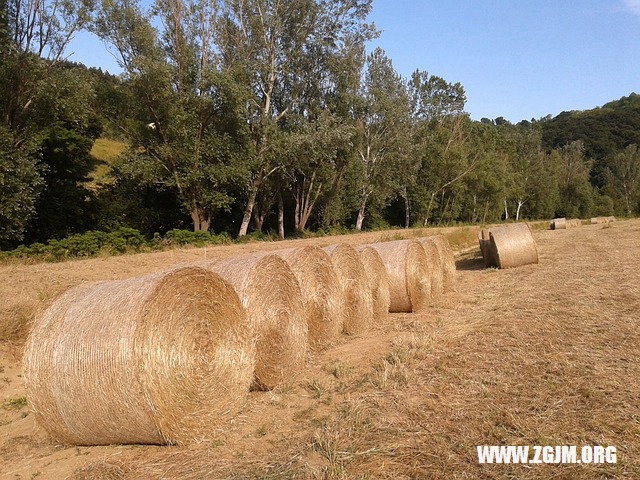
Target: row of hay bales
(165, 358)
(597, 220)
(508, 246)
(563, 223)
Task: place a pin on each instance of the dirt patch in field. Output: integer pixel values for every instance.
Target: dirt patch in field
(544, 354)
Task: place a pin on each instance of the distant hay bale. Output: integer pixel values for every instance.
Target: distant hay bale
(485, 241)
(157, 359)
(435, 266)
(321, 292)
(513, 245)
(378, 281)
(574, 223)
(611, 219)
(357, 300)
(270, 293)
(407, 266)
(448, 262)
(598, 220)
(559, 224)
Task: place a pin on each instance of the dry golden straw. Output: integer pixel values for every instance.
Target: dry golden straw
(559, 224)
(356, 296)
(157, 359)
(513, 245)
(448, 262)
(321, 292)
(435, 266)
(270, 293)
(485, 241)
(407, 266)
(378, 281)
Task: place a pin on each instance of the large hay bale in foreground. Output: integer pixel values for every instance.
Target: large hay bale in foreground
(321, 292)
(270, 293)
(357, 300)
(435, 266)
(156, 359)
(485, 248)
(513, 245)
(407, 266)
(378, 281)
(448, 262)
(559, 224)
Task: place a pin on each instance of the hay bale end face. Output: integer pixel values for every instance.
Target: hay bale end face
(559, 224)
(485, 241)
(435, 265)
(320, 290)
(513, 245)
(157, 359)
(378, 281)
(448, 262)
(407, 267)
(356, 295)
(270, 293)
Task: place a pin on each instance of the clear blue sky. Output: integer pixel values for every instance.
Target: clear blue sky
(516, 58)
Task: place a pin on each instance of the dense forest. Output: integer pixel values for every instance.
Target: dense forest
(244, 116)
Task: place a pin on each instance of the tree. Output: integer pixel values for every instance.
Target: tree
(186, 131)
(283, 49)
(624, 176)
(575, 191)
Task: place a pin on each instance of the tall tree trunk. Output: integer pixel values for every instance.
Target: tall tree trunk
(426, 219)
(518, 210)
(248, 211)
(506, 212)
(280, 216)
(360, 218)
(407, 212)
(201, 221)
(258, 220)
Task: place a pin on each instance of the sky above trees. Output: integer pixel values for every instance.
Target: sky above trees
(515, 59)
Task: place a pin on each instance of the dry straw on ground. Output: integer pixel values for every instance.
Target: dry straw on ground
(513, 245)
(321, 292)
(378, 281)
(356, 295)
(559, 224)
(407, 266)
(448, 262)
(435, 265)
(485, 241)
(156, 359)
(270, 293)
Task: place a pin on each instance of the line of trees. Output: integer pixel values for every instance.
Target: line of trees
(248, 115)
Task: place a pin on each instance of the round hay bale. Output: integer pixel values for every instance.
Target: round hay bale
(559, 224)
(357, 300)
(157, 359)
(513, 245)
(574, 223)
(321, 292)
(378, 281)
(435, 266)
(270, 293)
(407, 266)
(448, 262)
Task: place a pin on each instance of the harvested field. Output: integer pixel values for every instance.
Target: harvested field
(545, 354)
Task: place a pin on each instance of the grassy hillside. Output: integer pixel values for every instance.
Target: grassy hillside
(104, 151)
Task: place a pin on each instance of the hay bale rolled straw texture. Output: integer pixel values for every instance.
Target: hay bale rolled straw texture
(407, 267)
(321, 292)
(598, 220)
(574, 223)
(559, 224)
(435, 266)
(156, 359)
(513, 245)
(356, 295)
(485, 241)
(448, 262)
(271, 295)
(378, 281)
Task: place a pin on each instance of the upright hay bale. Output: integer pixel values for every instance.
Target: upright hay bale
(485, 241)
(434, 265)
(270, 293)
(357, 300)
(407, 266)
(513, 245)
(448, 262)
(378, 281)
(156, 359)
(559, 224)
(321, 292)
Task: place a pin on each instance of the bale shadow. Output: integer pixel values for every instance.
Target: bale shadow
(471, 263)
